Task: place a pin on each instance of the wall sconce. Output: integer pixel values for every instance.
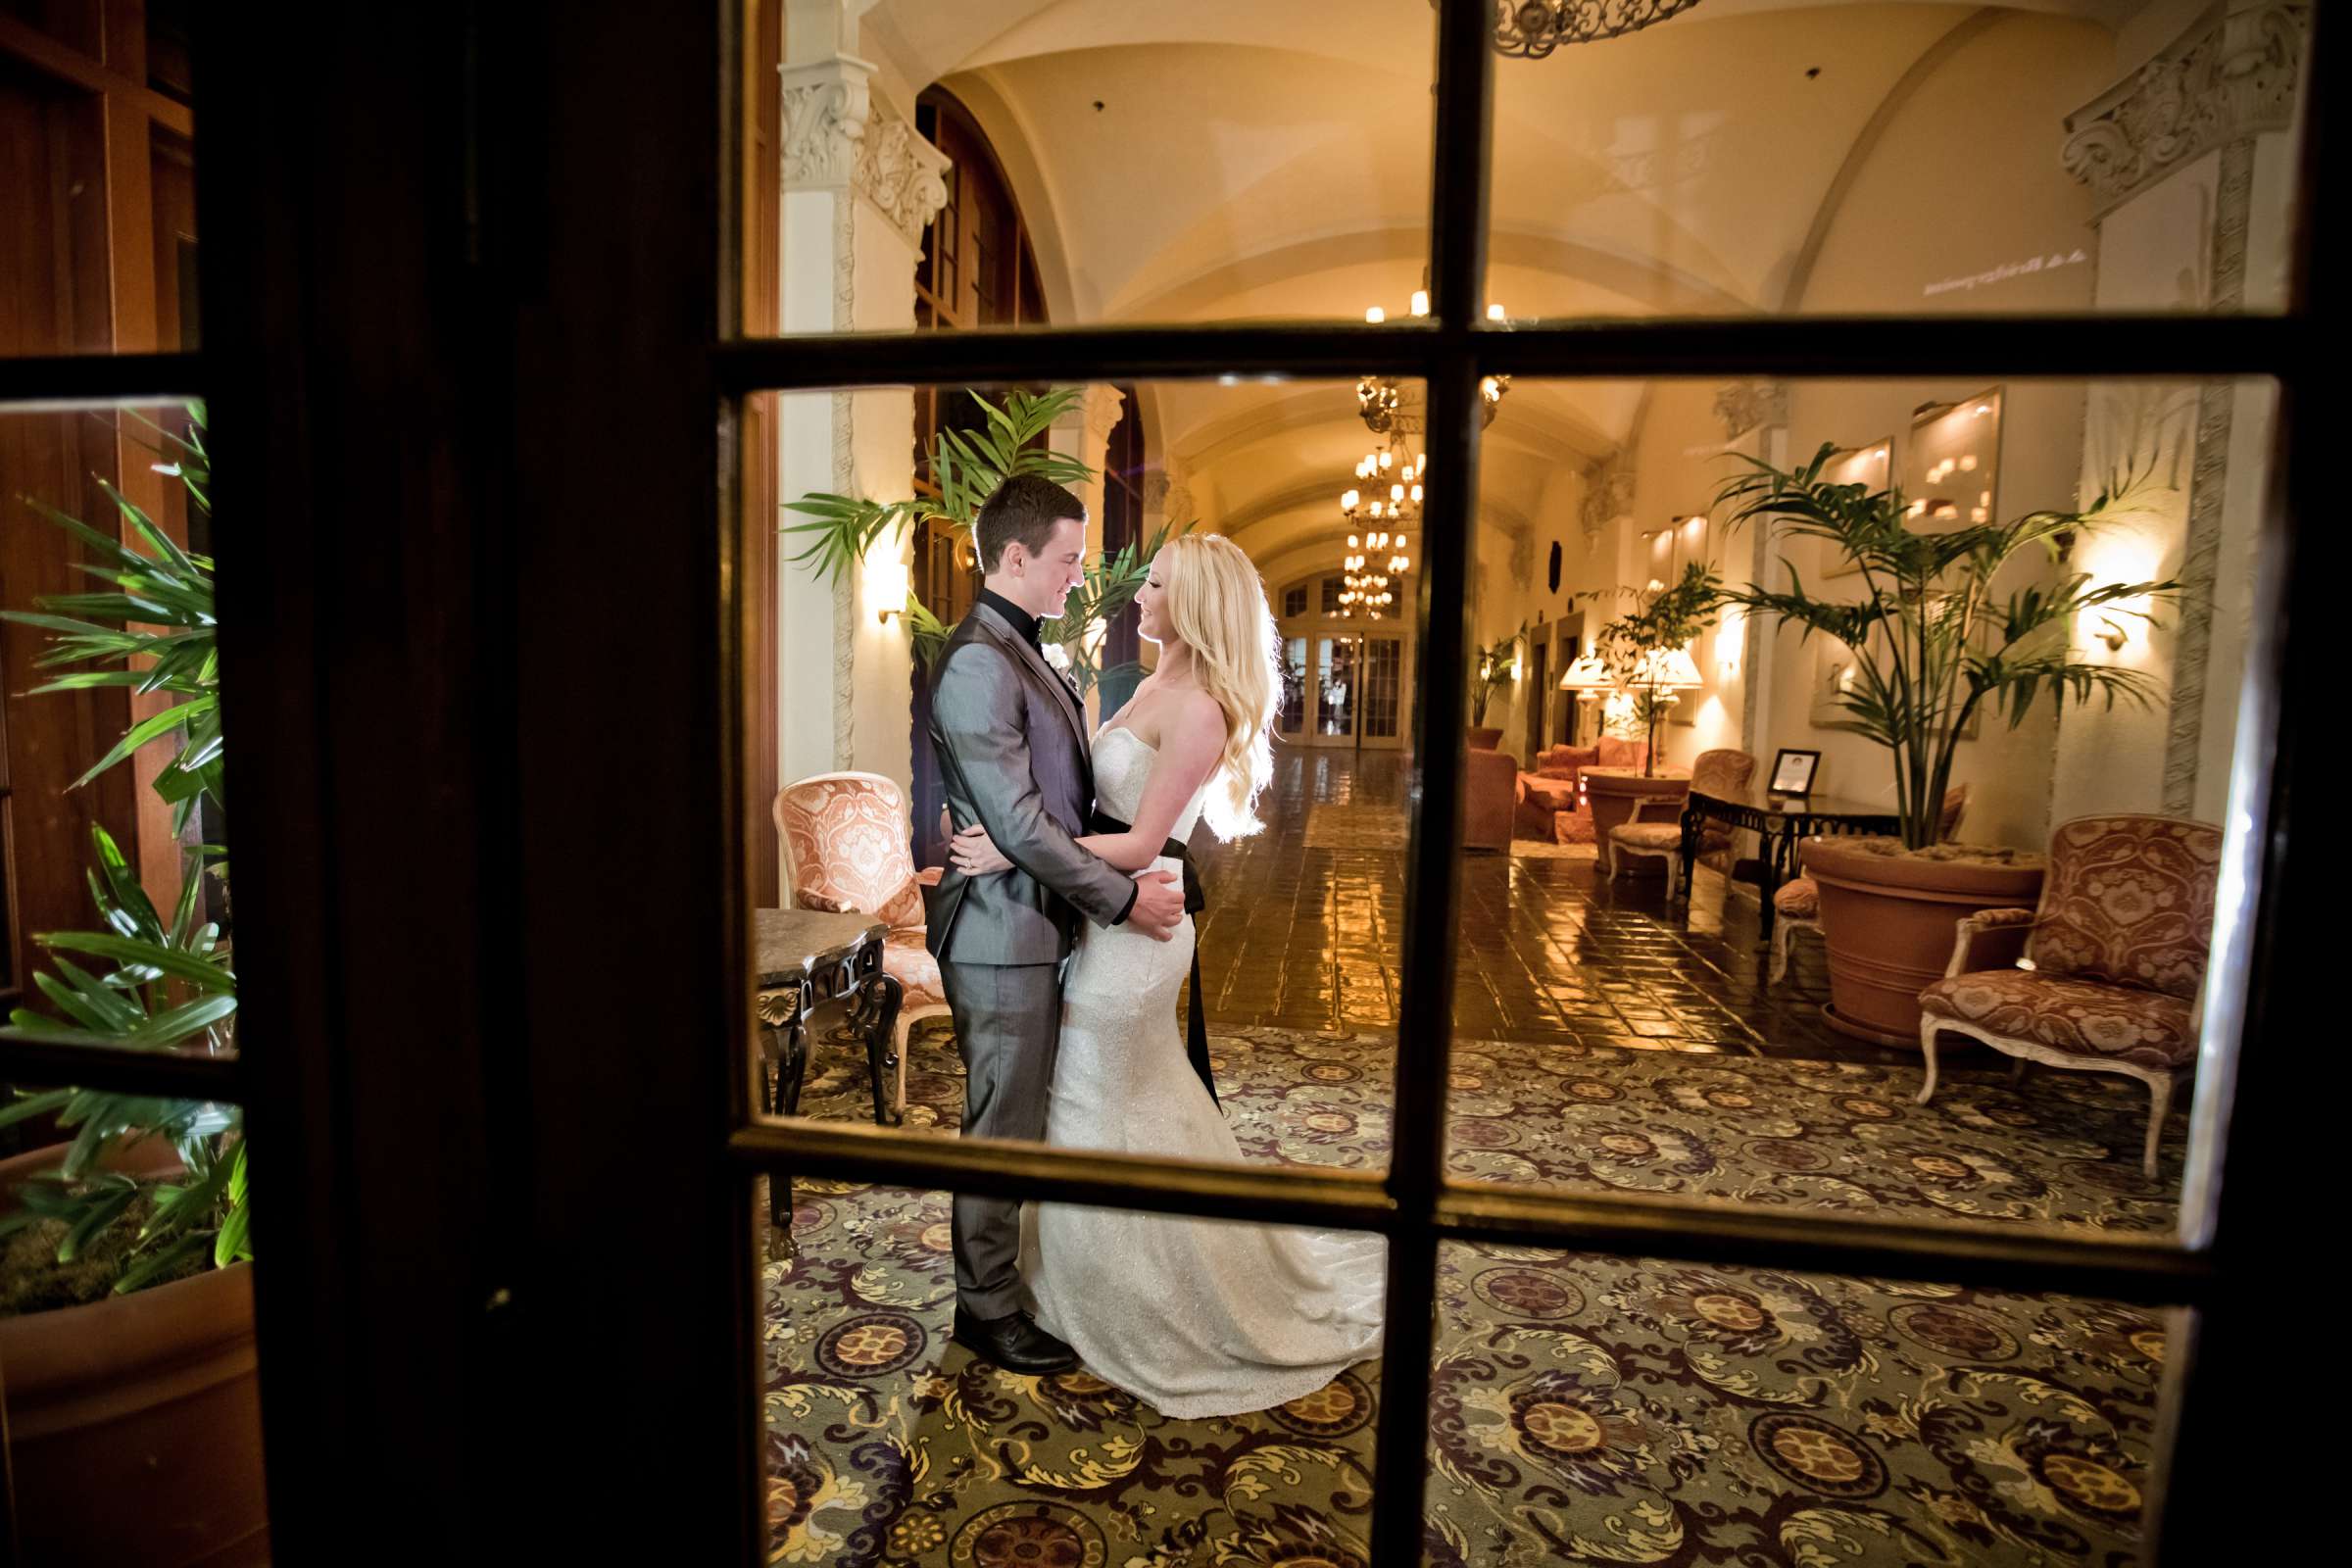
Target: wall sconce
(1730, 632)
(888, 583)
(2111, 632)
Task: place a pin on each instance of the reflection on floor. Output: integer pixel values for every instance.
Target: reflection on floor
(1306, 933)
(1585, 1409)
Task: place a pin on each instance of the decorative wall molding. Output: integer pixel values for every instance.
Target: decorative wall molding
(1745, 406)
(1104, 406)
(2201, 549)
(2232, 74)
(1609, 496)
(827, 104)
(900, 173)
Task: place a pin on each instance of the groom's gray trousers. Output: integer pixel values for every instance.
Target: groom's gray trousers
(1007, 1018)
(1012, 753)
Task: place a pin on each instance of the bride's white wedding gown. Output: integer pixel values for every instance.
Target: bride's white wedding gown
(1195, 1317)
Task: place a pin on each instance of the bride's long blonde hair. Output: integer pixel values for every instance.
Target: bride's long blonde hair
(1216, 605)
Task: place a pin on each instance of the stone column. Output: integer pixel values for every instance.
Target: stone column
(2189, 158)
(1755, 424)
(858, 187)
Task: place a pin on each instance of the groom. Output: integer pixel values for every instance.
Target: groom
(1011, 735)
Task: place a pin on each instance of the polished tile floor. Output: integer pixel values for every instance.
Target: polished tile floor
(1544, 949)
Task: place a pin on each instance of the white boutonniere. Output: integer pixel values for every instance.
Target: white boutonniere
(1058, 657)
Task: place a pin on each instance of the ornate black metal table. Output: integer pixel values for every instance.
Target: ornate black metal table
(1779, 820)
(806, 960)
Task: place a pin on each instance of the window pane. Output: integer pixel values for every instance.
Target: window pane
(1298, 942)
(57, 466)
(888, 1441)
(1900, 160)
(126, 1338)
(1756, 1034)
(1104, 163)
(97, 180)
(1577, 1397)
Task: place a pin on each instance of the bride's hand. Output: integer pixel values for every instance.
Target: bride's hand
(974, 855)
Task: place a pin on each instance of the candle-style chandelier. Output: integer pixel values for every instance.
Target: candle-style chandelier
(1381, 510)
(1530, 30)
(1390, 408)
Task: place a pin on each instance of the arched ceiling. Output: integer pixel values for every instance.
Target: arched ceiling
(1269, 158)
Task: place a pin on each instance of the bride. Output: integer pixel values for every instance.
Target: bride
(1195, 1317)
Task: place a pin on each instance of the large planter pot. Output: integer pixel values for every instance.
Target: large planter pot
(1888, 916)
(1484, 740)
(135, 1423)
(1612, 792)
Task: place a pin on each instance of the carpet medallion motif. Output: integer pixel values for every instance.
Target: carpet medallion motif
(1584, 1408)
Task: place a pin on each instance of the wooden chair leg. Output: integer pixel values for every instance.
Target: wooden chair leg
(2160, 1105)
(1780, 951)
(898, 1093)
(1927, 1049)
(2017, 1069)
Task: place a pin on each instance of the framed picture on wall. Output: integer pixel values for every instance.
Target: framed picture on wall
(1793, 771)
(1869, 466)
(1952, 462)
(1833, 675)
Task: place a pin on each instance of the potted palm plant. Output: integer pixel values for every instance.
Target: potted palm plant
(964, 467)
(1493, 668)
(1648, 649)
(1934, 646)
(126, 1322)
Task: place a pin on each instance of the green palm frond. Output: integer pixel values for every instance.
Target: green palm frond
(1930, 645)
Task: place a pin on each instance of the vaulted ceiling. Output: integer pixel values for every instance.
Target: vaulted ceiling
(1207, 159)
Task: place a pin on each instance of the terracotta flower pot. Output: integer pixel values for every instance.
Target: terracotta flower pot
(1888, 916)
(135, 1423)
(1484, 740)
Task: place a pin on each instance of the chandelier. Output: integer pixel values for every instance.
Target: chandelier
(1378, 540)
(1534, 28)
(1388, 408)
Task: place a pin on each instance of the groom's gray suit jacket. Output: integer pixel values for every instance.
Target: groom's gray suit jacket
(1011, 744)
(1011, 739)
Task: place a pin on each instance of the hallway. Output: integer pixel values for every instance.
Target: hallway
(1307, 936)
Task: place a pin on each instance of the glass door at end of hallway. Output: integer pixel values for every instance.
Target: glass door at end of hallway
(1343, 689)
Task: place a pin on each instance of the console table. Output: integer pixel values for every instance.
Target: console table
(805, 960)
(1779, 820)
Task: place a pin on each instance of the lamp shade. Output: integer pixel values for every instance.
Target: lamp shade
(1668, 669)
(1587, 674)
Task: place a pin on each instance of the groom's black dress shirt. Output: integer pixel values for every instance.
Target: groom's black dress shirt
(1026, 624)
(1016, 617)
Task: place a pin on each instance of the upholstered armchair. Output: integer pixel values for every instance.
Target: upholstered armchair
(1490, 799)
(1656, 826)
(845, 840)
(1796, 905)
(2119, 948)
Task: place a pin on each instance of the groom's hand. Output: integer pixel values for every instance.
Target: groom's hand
(1158, 904)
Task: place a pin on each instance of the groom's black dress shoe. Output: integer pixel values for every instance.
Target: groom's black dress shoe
(1014, 1343)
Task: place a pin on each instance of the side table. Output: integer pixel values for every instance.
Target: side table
(805, 960)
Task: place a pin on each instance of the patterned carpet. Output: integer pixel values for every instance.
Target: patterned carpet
(1586, 1409)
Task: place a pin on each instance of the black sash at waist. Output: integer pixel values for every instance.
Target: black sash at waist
(1194, 900)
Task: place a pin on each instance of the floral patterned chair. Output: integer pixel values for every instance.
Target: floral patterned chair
(1656, 828)
(1796, 905)
(2118, 949)
(845, 840)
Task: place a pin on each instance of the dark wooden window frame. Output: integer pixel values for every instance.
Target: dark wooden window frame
(518, 1270)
